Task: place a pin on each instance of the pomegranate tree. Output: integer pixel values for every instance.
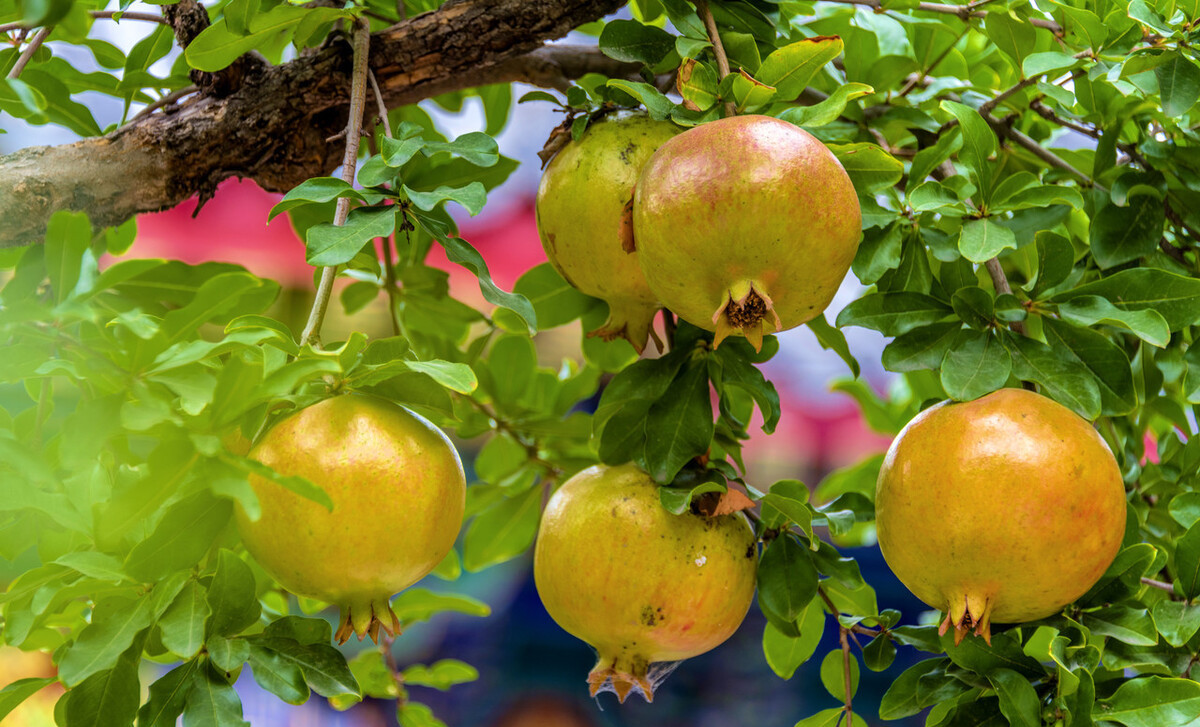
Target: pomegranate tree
(745, 225)
(1003, 509)
(640, 584)
(398, 495)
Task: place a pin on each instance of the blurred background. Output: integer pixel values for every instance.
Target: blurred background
(531, 672)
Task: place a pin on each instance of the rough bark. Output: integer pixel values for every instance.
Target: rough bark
(275, 126)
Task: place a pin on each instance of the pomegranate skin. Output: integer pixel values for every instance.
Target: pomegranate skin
(745, 225)
(639, 584)
(398, 493)
(582, 219)
(1003, 509)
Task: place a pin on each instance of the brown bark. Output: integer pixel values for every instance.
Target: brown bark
(273, 128)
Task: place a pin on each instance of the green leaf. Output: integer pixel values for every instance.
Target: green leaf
(974, 306)
(315, 191)
(979, 143)
(1178, 85)
(1177, 622)
(1131, 625)
(1037, 64)
(982, 240)
(418, 604)
(182, 624)
(784, 653)
(440, 675)
(679, 426)
(93, 564)
(879, 654)
(1055, 258)
(920, 348)
(329, 245)
(18, 691)
(633, 42)
(181, 539)
(1175, 297)
(294, 483)
(278, 674)
(1123, 577)
(228, 655)
(1061, 376)
(472, 197)
(324, 667)
(870, 168)
(976, 364)
(878, 253)
(902, 697)
(415, 714)
(790, 68)
(475, 147)
(502, 532)
(554, 300)
(116, 622)
(217, 46)
(833, 675)
(1013, 37)
(737, 372)
(832, 339)
(1018, 699)
(232, 596)
(1090, 310)
(109, 697)
(68, 235)
(1152, 702)
(787, 578)
(212, 701)
(893, 314)
(658, 105)
(1122, 234)
(1108, 364)
(454, 376)
(831, 717)
(1187, 562)
(826, 111)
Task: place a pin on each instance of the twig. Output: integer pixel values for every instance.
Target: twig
(1160, 585)
(380, 105)
(27, 54)
(842, 631)
(917, 78)
(1024, 83)
(170, 98)
(389, 269)
(965, 12)
(1000, 281)
(118, 16)
(358, 93)
(1045, 155)
(718, 48)
(99, 15)
(669, 326)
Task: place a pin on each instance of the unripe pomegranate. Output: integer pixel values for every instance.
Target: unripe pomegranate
(745, 225)
(583, 221)
(637, 583)
(1003, 509)
(398, 495)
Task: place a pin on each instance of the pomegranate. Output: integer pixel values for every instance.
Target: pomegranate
(1003, 509)
(583, 221)
(637, 583)
(745, 225)
(398, 495)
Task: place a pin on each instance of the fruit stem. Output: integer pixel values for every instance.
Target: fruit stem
(358, 97)
(842, 632)
(1160, 585)
(710, 25)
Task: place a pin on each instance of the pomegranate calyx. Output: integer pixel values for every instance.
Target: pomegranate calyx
(622, 681)
(745, 311)
(967, 613)
(366, 619)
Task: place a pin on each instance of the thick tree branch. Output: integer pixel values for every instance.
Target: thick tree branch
(274, 127)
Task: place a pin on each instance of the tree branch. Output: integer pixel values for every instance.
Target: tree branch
(965, 12)
(274, 127)
(30, 49)
(710, 26)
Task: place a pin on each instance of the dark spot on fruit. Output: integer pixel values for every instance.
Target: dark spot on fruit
(751, 551)
(614, 511)
(648, 616)
(629, 149)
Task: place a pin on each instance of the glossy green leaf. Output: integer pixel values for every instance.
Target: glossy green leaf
(182, 624)
(981, 240)
(1152, 702)
(975, 364)
(1178, 84)
(1187, 562)
(893, 314)
(502, 532)
(116, 622)
(787, 578)
(1090, 310)
(784, 653)
(833, 674)
(1061, 376)
(1175, 297)
(633, 42)
(790, 68)
(679, 426)
(440, 675)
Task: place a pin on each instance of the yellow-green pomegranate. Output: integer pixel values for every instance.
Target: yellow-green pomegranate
(398, 495)
(1003, 509)
(582, 219)
(745, 225)
(637, 583)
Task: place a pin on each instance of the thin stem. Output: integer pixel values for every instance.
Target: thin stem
(920, 77)
(1024, 83)
(358, 93)
(710, 25)
(170, 98)
(1000, 281)
(842, 632)
(669, 326)
(1160, 585)
(27, 54)
(379, 104)
(965, 12)
(118, 16)
(389, 281)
